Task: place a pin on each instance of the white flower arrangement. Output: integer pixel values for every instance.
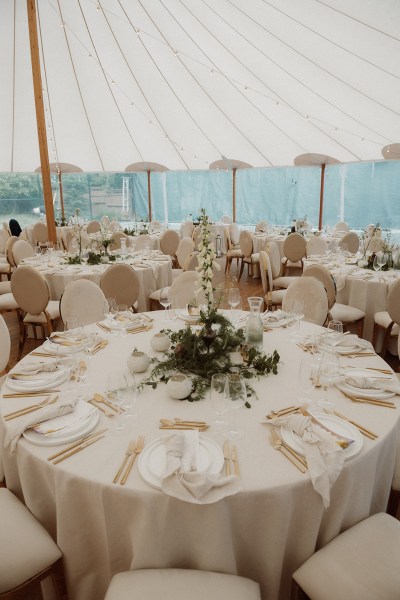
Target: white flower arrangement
(207, 260)
(78, 226)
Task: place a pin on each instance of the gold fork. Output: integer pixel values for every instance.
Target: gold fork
(227, 457)
(293, 456)
(129, 451)
(25, 411)
(235, 460)
(137, 450)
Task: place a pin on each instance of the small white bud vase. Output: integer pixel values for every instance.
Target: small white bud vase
(160, 342)
(138, 362)
(179, 386)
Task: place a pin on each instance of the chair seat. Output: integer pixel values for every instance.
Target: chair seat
(361, 563)
(276, 297)
(8, 302)
(5, 287)
(156, 295)
(24, 542)
(5, 268)
(53, 310)
(346, 314)
(181, 584)
(234, 253)
(284, 281)
(383, 320)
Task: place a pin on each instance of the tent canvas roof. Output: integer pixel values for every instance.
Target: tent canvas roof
(185, 83)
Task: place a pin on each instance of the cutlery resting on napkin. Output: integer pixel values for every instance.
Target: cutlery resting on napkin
(323, 454)
(182, 479)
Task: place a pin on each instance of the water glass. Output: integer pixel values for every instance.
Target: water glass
(219, 401)
(335, 335)
(237, 396)
(329, 374)
(298, 313)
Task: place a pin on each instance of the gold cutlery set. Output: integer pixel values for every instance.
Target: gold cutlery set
(98, 401)
(138, 329)
(32, 408)
(231, 456)
(77, 446)
(296, 459)
(181, 424)
(373, 401)
(132, 451)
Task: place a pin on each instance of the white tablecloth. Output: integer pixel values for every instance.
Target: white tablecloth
(264, 533)
(153, 275)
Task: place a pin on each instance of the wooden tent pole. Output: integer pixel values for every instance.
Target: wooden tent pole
(149, 192)
(61, 194)
(40, 121)
(234, 195)
(321, 196)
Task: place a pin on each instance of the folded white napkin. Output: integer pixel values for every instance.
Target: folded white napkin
(340, 277)
(324, 456)
(275, 316)
(33, 368)
(16, 427)
(374, 383)
(183, 481)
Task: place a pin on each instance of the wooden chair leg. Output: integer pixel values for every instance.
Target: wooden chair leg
(386, 340)
(241, 270)
(393, 503)
(360, 328)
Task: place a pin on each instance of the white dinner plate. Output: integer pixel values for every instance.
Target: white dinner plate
(63, 348)
(152, 463)
(77, 429)
(334, 423)
(273, 323)
(357, 346)
(364, 392)
(42, 381)
(184, 316)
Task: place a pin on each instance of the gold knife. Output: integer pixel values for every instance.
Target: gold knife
(227, 458)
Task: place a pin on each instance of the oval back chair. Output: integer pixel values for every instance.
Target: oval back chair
(84, 300)
(40, 234)
(169, 242)
(93, 227)
(313, 295)
(122, 283)
(351, 240)
(20, 250)
(294, 250)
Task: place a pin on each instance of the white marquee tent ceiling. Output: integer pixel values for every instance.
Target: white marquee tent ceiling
(185, 83)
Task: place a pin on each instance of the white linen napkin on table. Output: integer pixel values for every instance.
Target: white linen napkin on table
(374, 383)
(183, 481)
(34, 368)
(340, 277)
(324, 456)
(275, 316)
(17, 426)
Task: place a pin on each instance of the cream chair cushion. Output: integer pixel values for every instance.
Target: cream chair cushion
(346, 314)
(181, 584)
(169, 242)
(93, 227)
(121, 282)
(8, 302)
(363, 563)
(185, 248)
(26, 548)
(40, 234)
(5, 344)
(21, 249)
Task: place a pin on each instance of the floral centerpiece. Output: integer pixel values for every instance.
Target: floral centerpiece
(211, 349)
(104, 239)
(78, 227)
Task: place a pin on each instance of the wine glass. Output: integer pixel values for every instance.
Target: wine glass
(112, 309)
(237, 396)
(218, 394)
(329, 373)
(298, 312)
(233, 298)
(382, 259)
(165, 300)
(307, 372)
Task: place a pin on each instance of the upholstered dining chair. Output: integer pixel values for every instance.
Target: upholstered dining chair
(117, 236)
(8, 266)
(21, 249)
(4, 235)
(388, 320)
(233, 249)
(279, 281)
(294, 251)
(93, 227)
(155, 225)
(313, 295)
(341, 226)
(40, 234)
(169, 243)
(5, 347)
(32, 294)
(84, 300)
(261, 226)
(249, 257)
(316, 245)
(174, 584)
(272, 298)
(143, 242)
(185, 249)
(226, 219)
(105, 220)
(187, 229)
(121, 283)
(182, 288)
(346, 313)
(28, 555)
(350, 241)
(362, 563)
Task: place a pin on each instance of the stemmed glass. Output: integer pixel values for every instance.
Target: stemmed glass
(233, 298)
(121, 391)
(236, 393)
(165, 300)
(298, 312)
(382, 259)
(329, 373)
(219, 401)
(307, 373)
(112, 309)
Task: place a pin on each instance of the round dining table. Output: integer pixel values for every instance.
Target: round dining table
(264, 532)
(154, 270)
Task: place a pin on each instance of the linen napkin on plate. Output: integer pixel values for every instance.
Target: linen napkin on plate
(374, 383)
(275, 316)
(16, 427)
(324, 456)
(34, 368)
(182, 479)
